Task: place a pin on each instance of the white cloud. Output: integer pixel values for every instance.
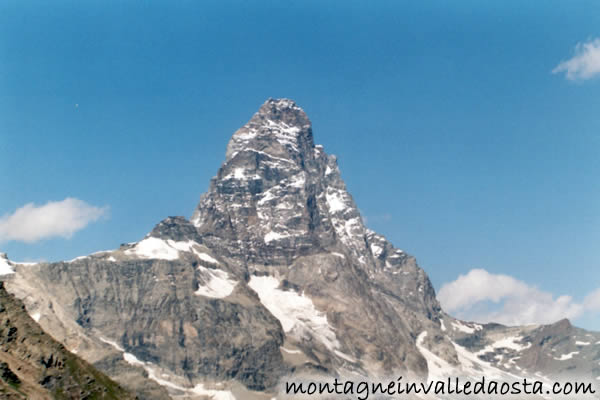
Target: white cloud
(31, 223)
(592, 301)
(485, 297)
(585, 64)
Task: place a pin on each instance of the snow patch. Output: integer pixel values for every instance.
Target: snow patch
(509, 342)
(289, 351)
(267, 196)
(579, 343)
(36, 316)
(133, 360)
(5, 267)
(335, 202)
(112, 343)
(296, 312)
(190, 246)
(152, 247)
(206, 257)
(459, 326)
(213, 394)
(217, 284)
(271, 236)
(376, 250)
(566, 356)
(239, 173)
(155, 248)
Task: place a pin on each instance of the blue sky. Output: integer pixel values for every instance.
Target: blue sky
(453, 133)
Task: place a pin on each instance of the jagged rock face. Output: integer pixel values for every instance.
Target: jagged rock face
(274, 274)
(279, 201)
(263, 200)
(279, 197)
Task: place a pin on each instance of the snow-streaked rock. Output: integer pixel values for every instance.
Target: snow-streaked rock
(295, 311)
(154, 248)
(217, 283)
(5, 266)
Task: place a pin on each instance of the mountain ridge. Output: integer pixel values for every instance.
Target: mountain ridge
(275, 274)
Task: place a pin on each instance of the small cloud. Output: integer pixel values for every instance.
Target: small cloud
(585, 64)
(485, 297)
(31, 223)
(592, 301)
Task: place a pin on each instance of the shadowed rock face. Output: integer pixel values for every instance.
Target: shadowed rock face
(274, 274)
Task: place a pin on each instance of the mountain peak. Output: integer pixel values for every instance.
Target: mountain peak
(280, 127)
(278, 197)
(283, 109)
(272, 187)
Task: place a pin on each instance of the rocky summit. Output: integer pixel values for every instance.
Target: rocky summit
(275, 275)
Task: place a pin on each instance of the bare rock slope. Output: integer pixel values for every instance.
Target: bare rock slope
(34, 366)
